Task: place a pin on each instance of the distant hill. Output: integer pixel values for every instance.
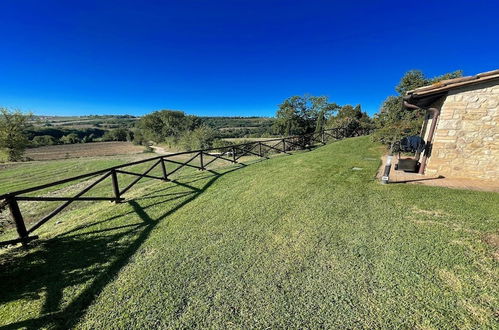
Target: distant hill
(230, 127)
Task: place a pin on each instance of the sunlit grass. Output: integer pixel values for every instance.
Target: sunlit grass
(294, 241)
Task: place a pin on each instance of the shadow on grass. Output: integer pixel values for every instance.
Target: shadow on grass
(83, 261)
(419, 179)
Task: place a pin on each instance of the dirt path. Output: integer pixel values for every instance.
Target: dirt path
(161, 150)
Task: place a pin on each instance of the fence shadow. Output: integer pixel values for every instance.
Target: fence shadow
(91, 259)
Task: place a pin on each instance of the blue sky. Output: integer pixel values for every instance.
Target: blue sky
(236, 58)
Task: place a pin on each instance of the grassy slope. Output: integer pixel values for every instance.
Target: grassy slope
(293, 241)
(23, 175)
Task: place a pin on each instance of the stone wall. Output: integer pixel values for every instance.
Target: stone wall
(466, 141)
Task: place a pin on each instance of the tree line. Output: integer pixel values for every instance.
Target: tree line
(296, 115)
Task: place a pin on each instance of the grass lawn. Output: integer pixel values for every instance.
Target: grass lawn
(294, 241)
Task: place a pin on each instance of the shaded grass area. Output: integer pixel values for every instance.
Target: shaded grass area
(295, 241)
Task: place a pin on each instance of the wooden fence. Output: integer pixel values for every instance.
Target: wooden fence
(204, 158)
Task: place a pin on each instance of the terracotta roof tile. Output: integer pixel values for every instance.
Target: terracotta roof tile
(448, 84)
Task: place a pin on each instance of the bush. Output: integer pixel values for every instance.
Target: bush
(199, 138)
(43, 140)
(138, 138)
(117, 134)
(70, 139)
(88, 138)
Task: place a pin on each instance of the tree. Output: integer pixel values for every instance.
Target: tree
(394, 121)
(351, 121)
(303, 114)
(159, 125)
(13, 138)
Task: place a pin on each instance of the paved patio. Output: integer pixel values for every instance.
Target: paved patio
(398, 177)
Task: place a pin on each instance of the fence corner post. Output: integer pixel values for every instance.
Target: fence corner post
(116, 188)
(18, 219)
(234, 155)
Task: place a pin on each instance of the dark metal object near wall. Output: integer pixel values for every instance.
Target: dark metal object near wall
(205, 157)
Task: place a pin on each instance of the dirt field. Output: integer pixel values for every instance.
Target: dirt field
(83, 150)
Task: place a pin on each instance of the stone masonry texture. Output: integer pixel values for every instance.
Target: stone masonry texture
(466, 141)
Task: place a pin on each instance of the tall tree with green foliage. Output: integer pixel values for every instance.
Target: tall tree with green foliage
(394, 121)
(13, 138)
(159, 125)
(303, 114)
(351, 121)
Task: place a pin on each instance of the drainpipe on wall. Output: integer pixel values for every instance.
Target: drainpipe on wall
(417, 156)
(429, 143)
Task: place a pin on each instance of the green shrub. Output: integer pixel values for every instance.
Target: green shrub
(43, 140)
(199, 138)
(70, 139)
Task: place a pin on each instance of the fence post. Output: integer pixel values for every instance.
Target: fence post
(234, 155)
(201, 160)
(322, 137)
(18, 220)
(284, 145)
(163, 168)
(260, 149)
(116, 187)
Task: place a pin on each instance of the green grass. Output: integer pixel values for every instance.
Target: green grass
(294, 241)
(18, 176)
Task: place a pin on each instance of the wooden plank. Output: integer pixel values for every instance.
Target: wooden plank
(116, 187)
(271, 147)
(201, 160)
(15, 212)
(218, 156)
(298, 145)
(63, 206)
(163, 169)
(61, 199)
(139, 174)
(183, 164)
(246, 151)
(140, 177)
(251, 152)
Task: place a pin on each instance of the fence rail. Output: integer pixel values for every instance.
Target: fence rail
(229, 154)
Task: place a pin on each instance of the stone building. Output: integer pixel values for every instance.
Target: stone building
(461, 126)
